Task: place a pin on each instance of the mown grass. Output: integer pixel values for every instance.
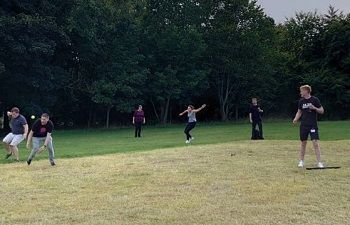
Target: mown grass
(236, 183)
(78, 143)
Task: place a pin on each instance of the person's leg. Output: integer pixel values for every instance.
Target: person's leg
(261, 136)
(35, 149)
(316, 145)
(6, 141)
(139, 130)
(191, 127)
(315, 141)
(302, 150)
(13, 145)
(187, 131)
(253, 130)
(51, 152)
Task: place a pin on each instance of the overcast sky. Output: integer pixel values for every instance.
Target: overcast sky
(280, 9)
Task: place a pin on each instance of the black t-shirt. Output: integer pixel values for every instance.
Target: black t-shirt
(40, 130)
(308, 116)
(254, 110)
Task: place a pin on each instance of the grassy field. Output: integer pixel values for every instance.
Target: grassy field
(221, 178)
(79, 143)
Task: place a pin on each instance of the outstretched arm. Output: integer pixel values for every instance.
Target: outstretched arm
(181, 114)
(199, 109)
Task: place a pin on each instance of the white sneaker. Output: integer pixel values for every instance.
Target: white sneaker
(187, 142)
(320, 165)
(192, 138)
(301, 164)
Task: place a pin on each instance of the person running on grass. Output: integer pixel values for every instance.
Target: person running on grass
(191, 113)
(138, 119)
(308, 108)
(19, 131)
(255, 120)
(41, 132)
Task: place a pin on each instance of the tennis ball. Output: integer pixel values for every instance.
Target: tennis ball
(32, 117)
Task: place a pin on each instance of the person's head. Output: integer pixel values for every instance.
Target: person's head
(15, 112)
(190, 108)
(305, 91)
(140, 107)
(44, 118)
(254, 101)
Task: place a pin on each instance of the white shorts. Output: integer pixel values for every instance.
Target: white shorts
(13, 139)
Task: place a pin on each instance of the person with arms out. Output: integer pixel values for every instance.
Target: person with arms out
(192, 121)
(308, 109)
(138, 119)
(41, 132)
(19, 131)
(255, 119)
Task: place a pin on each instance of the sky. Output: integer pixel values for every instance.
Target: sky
(280, 9)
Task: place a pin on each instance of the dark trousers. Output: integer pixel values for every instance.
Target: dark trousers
(257, 134)
(188, 128)
(138, 126)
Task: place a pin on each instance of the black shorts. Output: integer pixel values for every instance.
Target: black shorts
(306, 131)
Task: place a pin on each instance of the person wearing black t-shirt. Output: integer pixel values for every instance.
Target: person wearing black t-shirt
(308, 109)
(255, 119)
(41, 132)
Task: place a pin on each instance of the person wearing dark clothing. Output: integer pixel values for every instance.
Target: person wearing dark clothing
(138, 119)
(308, 109)
(255, 119)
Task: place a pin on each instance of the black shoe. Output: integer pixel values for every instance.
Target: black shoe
(8, 156)
(53, 163)
(29, 161)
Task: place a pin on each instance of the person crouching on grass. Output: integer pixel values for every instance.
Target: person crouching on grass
(191, 113)
(41, 132)
(138, 119)
(19, 131)
(308, 108)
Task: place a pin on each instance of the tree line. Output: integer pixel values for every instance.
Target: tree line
(91, 62)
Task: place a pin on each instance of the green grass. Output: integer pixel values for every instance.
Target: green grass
(79, 143)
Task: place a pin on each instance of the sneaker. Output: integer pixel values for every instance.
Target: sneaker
(192, 138)
(188, 141)
(29, 161)
(320, 165)
(8, 156)
(53, 163)
(301, 164)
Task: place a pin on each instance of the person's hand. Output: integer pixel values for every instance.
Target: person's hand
(295, 121)
(41, 149)
(28, 145)
(144, 122)
(312, 107)
(260, 110)
(25, 136)
(180, 114)
(251, 121)
(204, 105)
(133, 122)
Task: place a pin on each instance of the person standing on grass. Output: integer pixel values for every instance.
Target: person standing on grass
(19, 131)
(41, 132)
(191, 113)
(255, 119)
(138, 120)
(308, 108)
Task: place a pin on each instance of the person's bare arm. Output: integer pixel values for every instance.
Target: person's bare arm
(133, 120)
(297, 116)
(29, 139)
(47, 140)
(199, 109)
(181, 114)
(250, 118)
(144, 120)
(26, 129)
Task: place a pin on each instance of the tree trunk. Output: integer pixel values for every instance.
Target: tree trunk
(107, 116)
(155, 111)
(90, 117)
